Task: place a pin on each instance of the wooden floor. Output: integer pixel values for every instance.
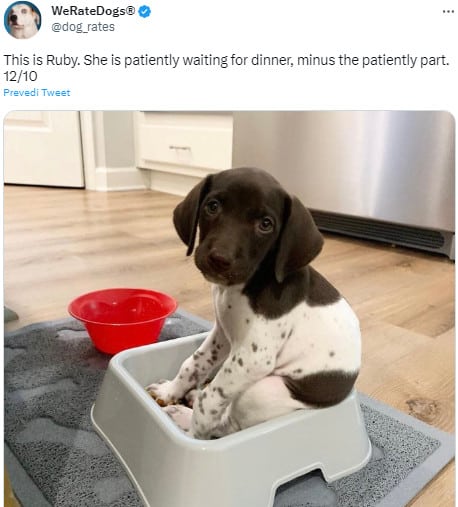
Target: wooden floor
(61, 243)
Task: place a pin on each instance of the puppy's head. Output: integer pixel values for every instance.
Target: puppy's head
(246, 219)
(21, 16)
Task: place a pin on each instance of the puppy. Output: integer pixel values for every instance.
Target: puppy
(23, 21)
(284, 338)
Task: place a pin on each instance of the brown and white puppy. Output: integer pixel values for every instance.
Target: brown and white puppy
(23, 21)
(284, 338)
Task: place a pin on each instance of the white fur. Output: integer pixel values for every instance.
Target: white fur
(251, 353)
(25, 25)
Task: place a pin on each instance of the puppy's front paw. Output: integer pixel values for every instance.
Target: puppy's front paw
(162, 392)
(181, 416)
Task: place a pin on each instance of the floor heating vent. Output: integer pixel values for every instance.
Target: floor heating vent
(405, 235)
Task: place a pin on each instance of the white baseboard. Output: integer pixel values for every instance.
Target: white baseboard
(171, 183)
(109, 179)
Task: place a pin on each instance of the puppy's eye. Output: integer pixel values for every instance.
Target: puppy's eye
(266, 225)
(24, 11)
(212, 207)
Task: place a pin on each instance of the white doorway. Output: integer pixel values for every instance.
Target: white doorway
(43, 148)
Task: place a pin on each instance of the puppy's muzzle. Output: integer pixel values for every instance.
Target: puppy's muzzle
(219, 262)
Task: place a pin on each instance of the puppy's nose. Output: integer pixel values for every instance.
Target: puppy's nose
(218, 261)
(13, 18)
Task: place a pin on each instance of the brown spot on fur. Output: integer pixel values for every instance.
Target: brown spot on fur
(322, 389)
(221, 392)
(240, 361)
(320, 291)
(254, 347)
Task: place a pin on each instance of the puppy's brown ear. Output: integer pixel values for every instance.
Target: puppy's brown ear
(300, 240)
(186, 214)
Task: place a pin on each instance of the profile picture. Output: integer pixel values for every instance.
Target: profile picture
(22, 20)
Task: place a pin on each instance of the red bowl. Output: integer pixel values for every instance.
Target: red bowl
(120, 319)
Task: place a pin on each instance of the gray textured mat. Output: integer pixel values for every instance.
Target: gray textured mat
(52, 374)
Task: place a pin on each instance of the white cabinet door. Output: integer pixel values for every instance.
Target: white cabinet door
(198, 143)
(43, 148)
(181, 148)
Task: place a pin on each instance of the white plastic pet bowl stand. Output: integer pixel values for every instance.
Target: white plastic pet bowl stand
(171, 469)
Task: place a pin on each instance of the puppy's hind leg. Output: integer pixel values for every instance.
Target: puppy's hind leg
(181, 416)
(265, 400)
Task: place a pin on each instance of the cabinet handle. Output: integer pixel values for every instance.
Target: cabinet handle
(184, 148)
